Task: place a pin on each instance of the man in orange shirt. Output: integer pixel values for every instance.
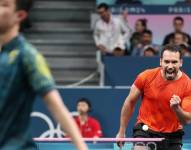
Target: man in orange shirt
(166, 101)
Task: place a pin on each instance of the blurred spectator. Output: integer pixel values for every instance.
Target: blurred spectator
(118, 52)
(185, 2)
(149, 51)
(124, 18)
(110, 32)
(179, 38)
(89, 127)
(178, 23)
(186, 51)
(140, 26)
(146, 40)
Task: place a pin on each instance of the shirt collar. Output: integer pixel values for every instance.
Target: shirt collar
(110, 21)
(11, 45)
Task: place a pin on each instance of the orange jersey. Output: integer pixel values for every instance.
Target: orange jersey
(155, 108)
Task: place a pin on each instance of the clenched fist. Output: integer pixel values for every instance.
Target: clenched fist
(175, 102)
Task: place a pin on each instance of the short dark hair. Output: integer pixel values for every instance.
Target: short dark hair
(147, 32)
(143, 22)
(103, 5)
(24, 5)
(85, 100)
(151, 49)
(171, 48)
(179, 18)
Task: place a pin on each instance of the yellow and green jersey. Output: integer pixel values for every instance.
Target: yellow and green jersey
(23, 75)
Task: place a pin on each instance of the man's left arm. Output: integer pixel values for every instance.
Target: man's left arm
(182, 108)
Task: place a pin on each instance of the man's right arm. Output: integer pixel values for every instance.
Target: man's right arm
(127, 110)
(96, 36)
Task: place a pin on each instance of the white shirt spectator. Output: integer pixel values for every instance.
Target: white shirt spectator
(112, 34)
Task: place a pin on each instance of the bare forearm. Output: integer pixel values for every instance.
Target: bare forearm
(126, 113)
(127, 109)
(62, 115)
(183, 117)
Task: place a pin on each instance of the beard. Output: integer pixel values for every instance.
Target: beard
(170, 74)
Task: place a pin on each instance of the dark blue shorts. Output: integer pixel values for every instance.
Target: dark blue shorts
(173, 141)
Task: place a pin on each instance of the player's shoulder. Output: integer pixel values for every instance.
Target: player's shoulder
(186, 78)
(185, 82)
(29, 51)
(25, 46)
(92, 119)
(99, 22)
(170, 35)
(150, 72)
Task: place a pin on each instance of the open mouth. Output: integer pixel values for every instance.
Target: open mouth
(170, 74)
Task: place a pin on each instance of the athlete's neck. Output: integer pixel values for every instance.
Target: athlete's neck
(83, 118)
(8, 36)
(179, 75)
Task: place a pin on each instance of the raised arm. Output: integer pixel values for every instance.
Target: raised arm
(127, 32)
(183, 113)
(62, 115)
(127, 110)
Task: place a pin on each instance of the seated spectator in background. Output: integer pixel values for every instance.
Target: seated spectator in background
(186, 50)
(118, 52)
(110, 32)
(185, 2)
(179, 38)
(149, 51)
(146, 40)
(140, 26)
(178, 23)
(89, 126)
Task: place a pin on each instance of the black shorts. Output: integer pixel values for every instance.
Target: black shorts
(173, 141)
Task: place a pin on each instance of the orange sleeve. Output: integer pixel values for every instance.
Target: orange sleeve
(140, 80)
(186, 102)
